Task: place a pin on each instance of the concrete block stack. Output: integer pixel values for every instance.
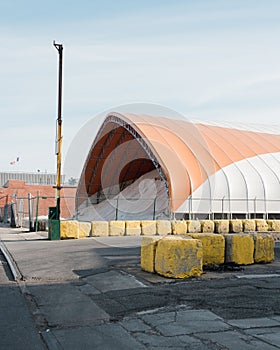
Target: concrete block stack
(180, 249)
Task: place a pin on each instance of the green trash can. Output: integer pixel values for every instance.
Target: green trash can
(54, 224)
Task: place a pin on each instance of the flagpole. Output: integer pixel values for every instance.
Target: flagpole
(59, 48)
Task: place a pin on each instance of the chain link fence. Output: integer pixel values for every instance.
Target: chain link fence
(32, 212)
(119, 208)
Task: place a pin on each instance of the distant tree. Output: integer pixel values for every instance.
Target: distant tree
(72, 181)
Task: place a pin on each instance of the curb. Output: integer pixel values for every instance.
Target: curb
(12, 265)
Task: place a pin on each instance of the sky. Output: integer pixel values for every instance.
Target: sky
(206, 59)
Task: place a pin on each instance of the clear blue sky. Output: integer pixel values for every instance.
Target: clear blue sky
(207, 59)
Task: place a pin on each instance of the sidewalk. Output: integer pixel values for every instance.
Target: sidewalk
(92, 294)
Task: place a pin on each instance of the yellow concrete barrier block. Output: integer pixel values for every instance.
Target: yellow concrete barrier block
(132, 228)
(261, 225)
(179, 227)
(148, 227)
(99, 228)
(264, 247)
(84, 229)
(249, 225)
(148, 252)
(163, 227)
(235, 226)
(194, 226)
(116, 228)
(273, 225)
(213, 247)
(178, 257)
(221, 226)
(239, 249)
(69, 229)
(207, 226)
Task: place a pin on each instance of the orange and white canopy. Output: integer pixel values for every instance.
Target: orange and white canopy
(206, 167)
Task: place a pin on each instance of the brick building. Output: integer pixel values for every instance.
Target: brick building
(42, 197)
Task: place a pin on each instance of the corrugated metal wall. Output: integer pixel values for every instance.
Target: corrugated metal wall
(29, 178)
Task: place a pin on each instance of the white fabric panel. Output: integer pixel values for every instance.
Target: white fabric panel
(201, 203)
(220, 191)
(268, 129)
(250, 185)
(254, 181)
(272, 185)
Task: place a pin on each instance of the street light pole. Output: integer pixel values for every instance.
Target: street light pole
(59, 48)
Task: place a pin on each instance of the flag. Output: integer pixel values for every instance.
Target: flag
(14, 161)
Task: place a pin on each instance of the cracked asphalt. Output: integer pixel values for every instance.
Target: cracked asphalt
(92, 294)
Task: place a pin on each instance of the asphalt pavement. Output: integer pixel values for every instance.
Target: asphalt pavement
(91, 294)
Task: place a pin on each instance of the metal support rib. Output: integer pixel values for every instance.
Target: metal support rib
(137, 136)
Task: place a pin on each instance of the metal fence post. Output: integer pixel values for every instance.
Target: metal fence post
(117, 208)
(76, 207)
(29, 212)
(37, 211)
(154, 213)
(6, 213)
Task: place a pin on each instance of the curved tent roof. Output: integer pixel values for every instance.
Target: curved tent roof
(206, 167)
